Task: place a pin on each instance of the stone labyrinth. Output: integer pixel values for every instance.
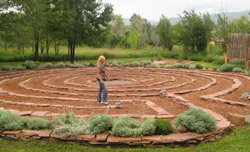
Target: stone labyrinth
(51, 92)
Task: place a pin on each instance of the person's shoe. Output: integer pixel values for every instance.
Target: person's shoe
(98, 102)
(102, 102)
(106, 103)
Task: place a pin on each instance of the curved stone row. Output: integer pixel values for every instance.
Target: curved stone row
(139, 91)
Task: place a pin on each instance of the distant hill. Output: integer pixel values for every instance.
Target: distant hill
(174, 20)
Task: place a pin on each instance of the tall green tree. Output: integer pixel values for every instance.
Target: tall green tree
(241, 25)
(223, 29)
(192, 31)
(165, 33)
(34, 11)
(117, 30)
(209, 27)
(84, 19)
(141, 27)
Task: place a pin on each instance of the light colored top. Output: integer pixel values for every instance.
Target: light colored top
(102, 71)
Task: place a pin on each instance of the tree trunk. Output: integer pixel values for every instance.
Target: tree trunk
(68, 49)
(22, 48)
(208, 47)
(37, 50)
(36, 36)
(42, 48)
(58, 44)
(5, 46)
(72, 51)
(47, 46)
(55, 47)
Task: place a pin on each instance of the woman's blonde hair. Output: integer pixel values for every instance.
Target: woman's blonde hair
(99, 60)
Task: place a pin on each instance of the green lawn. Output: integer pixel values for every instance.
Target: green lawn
(238, 141)
(82, 53)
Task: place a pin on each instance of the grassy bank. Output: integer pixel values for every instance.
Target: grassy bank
(239, 140)
(87, 53)
(82, 53)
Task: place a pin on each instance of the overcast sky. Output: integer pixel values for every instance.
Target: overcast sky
(153, 9)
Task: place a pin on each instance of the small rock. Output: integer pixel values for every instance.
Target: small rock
(118, 105)
(132, 80)
(163, 91)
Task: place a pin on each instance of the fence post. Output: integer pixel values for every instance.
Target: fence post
(246, 60)
(227, 58)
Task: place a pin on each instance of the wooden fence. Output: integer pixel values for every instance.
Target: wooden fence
(238, 48)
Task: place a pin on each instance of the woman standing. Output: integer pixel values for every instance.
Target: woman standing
(101, 78)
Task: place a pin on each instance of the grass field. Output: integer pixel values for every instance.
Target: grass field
(82, 53)
(238, 141)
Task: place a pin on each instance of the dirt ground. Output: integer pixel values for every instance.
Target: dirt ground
(61, 90)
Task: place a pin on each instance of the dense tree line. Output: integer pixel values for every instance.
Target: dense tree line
(43, 24)
(40, 23)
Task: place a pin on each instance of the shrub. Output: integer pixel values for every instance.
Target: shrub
(6, 68)
(219, 62)
(114, 63)
(99, 124)
(177, 65)
(237, 69)
(46, 65)
(9, 121)
(125, 64)
(59, 65)
(159, 57)
(85, 64)
(162, 127)
(91, 64)
(69, 126)
(186, 65)
(147, 63)
(226, 68)
(29, 64)
(136, 64)
(127, 127)
(19, 67)
(192, 66)
(198, 66)
(38, 123)
(195, 120)
(75, 65)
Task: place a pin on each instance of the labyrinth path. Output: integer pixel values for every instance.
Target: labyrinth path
(51, 92)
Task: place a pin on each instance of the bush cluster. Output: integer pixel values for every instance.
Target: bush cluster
(69, 126)
(114, 63)
(163, 127)
(9, 121)
(237, 69)
(38, 123)
(6, 68)
(198, 66)
(46, 65)
(18, 67)
(99, 123)
(59, 65)
(195, 120)
(29, 64)
(147, 63)
(177, 65)
(226, 68)
(127, 127)
(136, 64)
